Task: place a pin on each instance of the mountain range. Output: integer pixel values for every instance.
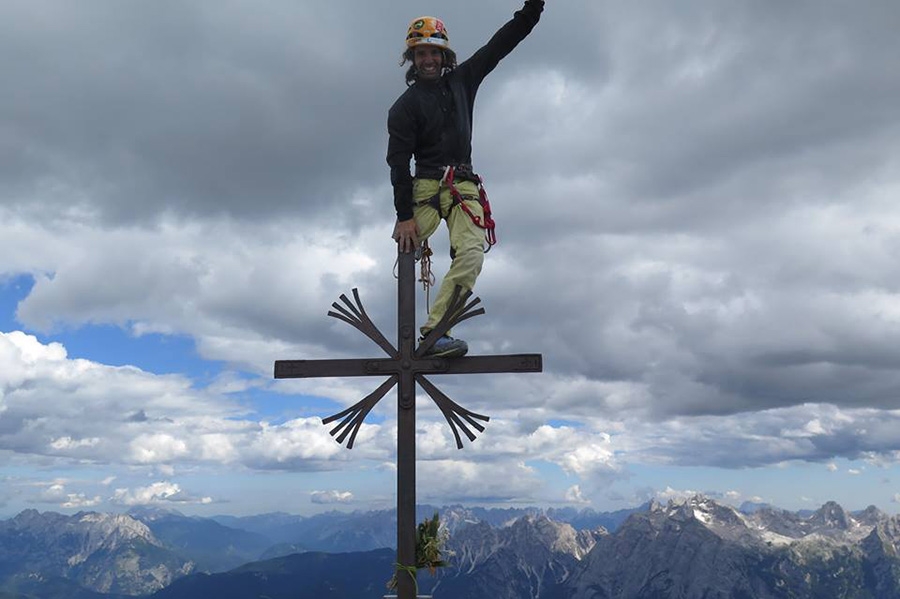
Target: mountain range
(700, 548)
(101, 553)
(697, 548)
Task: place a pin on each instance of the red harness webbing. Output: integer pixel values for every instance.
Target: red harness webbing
(488, 224)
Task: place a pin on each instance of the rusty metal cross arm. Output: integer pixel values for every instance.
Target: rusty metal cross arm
(456, 415)
(299, 369)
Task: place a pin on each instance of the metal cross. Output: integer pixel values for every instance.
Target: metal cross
(405, 367)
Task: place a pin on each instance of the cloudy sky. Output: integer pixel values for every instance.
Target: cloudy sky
(698, 222)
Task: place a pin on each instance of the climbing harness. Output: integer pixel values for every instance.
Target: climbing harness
(424, 252)
(488, 224)
(446, 176)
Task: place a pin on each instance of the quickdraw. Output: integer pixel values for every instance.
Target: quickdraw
(488, 223)
(426, 277)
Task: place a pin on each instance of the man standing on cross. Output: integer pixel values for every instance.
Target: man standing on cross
(432, 121)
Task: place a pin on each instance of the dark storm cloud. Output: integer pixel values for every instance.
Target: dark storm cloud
(203, 107)
(207, 107)
(710, 109)
(191, 107)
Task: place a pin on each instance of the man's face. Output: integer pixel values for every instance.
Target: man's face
(429, 61)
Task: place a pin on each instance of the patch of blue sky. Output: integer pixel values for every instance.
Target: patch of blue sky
(277, 408)
(559, 423)
(545, 468)
(553, 478)
(111, 344)
(245, 493)
(154, 352)
(13, 289)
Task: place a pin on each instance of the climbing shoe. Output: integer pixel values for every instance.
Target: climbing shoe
(448, 347)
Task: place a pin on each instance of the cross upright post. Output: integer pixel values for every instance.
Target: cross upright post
(405, 366)
(406, 424)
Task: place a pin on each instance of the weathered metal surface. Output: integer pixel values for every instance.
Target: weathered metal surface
(406, 426)
(300, 369)
(296, 369)
(493, 364)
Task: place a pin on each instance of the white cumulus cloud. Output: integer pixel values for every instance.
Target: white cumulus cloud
(161, 492)
(326, 497)
(56, 493)
(574, 495)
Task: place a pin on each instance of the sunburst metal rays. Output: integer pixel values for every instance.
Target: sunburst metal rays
(355, 315)
(355, 414)
(457, 416)
(407, 366)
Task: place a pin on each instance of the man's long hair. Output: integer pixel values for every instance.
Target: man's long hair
(408, 57)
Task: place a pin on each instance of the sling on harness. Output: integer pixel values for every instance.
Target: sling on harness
(447, 176)
(488, 224)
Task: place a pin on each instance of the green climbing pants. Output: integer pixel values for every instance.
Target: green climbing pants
(466, 239)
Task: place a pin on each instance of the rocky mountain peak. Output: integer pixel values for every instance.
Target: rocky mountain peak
(109, 531)
(107, 526)
(879, 542)
(831, 515)
(697, 507)
(557, 537)
(698, 510)
(33, 519)
(870, 516)
(455, 517)
(102, 552)
(528, 558)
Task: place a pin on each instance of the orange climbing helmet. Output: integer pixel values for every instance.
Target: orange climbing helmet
(427, 30)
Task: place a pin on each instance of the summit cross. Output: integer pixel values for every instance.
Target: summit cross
(405, 366)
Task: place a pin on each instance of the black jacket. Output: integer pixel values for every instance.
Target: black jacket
(432, 120)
